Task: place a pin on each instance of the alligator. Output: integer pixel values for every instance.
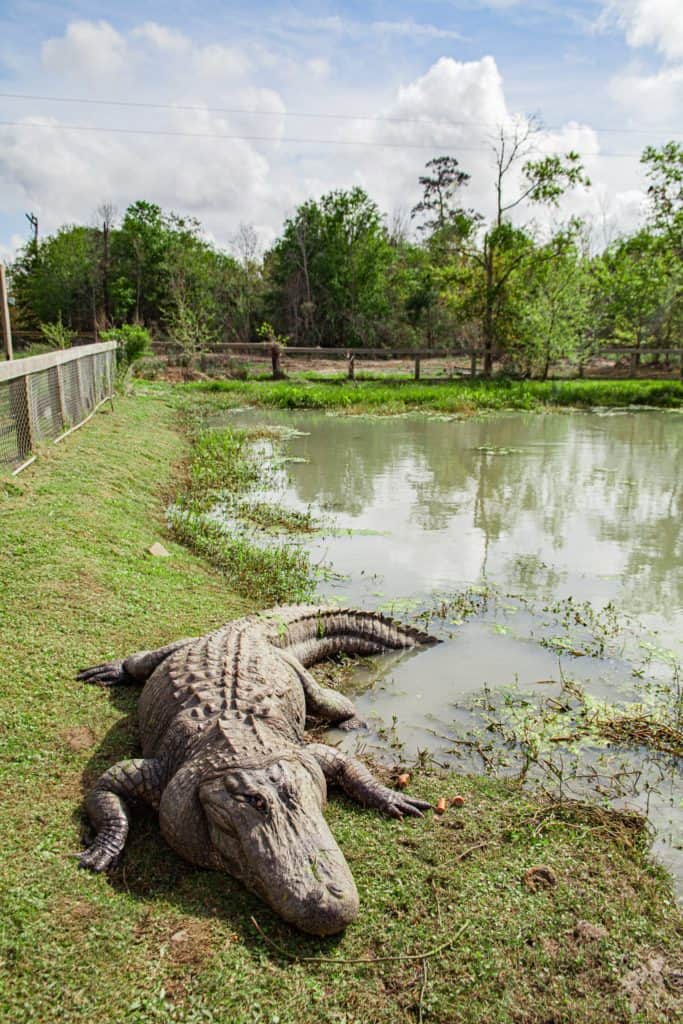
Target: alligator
(227, 765)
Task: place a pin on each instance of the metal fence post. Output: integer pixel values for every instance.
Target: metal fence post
(79, 379)
(63, 414)
(30, 413)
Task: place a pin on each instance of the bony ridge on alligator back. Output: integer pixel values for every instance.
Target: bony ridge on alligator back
(227, 765)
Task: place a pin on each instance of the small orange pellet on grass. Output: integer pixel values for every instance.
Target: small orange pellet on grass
(403, 781)
(440, 805)
(458, 801)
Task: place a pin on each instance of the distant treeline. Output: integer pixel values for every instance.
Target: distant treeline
(338, 275)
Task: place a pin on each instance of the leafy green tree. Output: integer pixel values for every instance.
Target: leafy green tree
(640, 285)
(664, 168)
(327, 271)
(552, 310)
(56, 280)
(139, 251)
(503, 251)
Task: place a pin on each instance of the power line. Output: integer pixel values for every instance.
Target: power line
(273, 138)
(309, 114)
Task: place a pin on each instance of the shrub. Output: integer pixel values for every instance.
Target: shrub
(57, 335)
(133, 342)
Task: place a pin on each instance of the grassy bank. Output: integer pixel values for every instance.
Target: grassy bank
(450, 397)
(224, 470)
(592, 937)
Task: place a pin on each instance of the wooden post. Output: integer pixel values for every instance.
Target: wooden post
(417, 367)
(4, 314)
(634, 364)
(275, 360)
(352, 365)
(473, 364)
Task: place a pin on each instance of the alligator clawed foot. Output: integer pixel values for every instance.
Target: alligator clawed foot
(98, 858)
(398, 805)
(107, 674)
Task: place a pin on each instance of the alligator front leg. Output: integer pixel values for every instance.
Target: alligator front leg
(357, 782)
(136, 668)
(139, 779)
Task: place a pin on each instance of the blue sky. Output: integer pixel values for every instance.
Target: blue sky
(583, 67)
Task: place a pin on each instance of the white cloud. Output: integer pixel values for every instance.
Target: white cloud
(335, 25)
(216, 61)
(87, 48)
(654, 98)
(217, 180)
(8, 252)
(454, 109)
(412, 29)
(657, 23)
(318, 66)
(166, 39)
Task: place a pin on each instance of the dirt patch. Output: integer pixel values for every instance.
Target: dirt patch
(654, 981)
(586, 931)
(186, 941)
(539, 877)
(80, 737)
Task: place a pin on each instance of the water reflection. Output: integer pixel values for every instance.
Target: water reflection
(549, 504)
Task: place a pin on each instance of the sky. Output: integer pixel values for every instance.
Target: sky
(236, 113)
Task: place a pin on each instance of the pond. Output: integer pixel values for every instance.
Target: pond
(545, 550)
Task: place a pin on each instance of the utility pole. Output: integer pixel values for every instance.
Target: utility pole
(4, 314)
(33, 221)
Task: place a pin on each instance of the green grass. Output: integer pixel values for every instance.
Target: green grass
(223, 469)
(158, 941)
(450, 397)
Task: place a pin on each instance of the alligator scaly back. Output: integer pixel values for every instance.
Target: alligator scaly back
(312, 633)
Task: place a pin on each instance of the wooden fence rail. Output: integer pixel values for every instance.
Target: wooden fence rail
(353, 356)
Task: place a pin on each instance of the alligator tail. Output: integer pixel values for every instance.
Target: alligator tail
(311, 634)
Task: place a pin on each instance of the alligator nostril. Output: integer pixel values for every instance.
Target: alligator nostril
(336, 890)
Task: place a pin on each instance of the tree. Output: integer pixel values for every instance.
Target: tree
(552, 308)
(505, 250)
(640, 283)
(139, 251)
(327, 270)
(249, 295)
(439, 199)
(56, 279)
(664, 168)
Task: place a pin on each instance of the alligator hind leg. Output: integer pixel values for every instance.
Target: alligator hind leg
(136, 668)
(139, 779)
(357, 782)
(321, 701)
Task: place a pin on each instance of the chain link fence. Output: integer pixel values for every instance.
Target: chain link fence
(43, 398)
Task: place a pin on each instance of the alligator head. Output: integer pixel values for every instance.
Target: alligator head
(266, 827)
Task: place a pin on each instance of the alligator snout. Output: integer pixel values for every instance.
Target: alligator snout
(324, 911)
